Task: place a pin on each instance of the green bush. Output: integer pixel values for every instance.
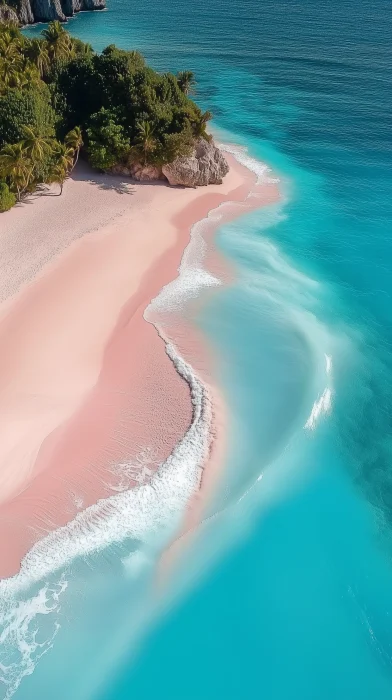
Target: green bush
(28, 107)
(107, 143)
(7, 198)
(122, 106)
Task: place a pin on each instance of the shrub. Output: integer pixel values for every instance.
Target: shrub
(107, 143)
(29, 107)
(7, 198)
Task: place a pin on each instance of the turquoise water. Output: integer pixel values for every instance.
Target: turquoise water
(294, 598)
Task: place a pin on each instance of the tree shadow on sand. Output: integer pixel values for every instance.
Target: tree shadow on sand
(84, 173)
(117, 183)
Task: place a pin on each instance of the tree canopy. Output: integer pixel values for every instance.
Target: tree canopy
(59, 98)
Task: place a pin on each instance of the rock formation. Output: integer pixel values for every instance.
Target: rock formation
(205, 166)
(7, 14)
(30, 11)
(47, 10)
(25, 12)
(146, 173)
(138, 171)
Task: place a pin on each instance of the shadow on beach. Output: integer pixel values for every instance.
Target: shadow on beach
(105, 181)
(84, 173)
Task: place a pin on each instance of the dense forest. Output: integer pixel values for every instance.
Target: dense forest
(59, 98)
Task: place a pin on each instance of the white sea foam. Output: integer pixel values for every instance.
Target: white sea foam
(153, 506)
(192, 277)
(149, 511)
(241, 154)
(140, 513)
(22, 644)
(323, 404)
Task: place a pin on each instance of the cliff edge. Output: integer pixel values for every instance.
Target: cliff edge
(30, 11)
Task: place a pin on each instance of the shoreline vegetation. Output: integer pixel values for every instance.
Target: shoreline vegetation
(60, 99)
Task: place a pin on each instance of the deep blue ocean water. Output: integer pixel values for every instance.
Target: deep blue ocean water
(294, 599)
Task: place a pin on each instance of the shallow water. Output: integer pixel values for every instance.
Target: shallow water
(295, 592)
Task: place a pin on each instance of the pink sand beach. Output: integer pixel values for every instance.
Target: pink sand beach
(85, 382)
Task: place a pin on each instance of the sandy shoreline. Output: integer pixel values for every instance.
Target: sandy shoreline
(85, 382)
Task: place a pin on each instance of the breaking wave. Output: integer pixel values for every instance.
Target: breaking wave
(241, 154)
(22, 643)
(149, 512)
(139, 513)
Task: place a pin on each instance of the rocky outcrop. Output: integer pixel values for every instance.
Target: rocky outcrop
(30, 11)
(25, 12)
(71, 7)
(142, 173)
(205, 166)
(47, 10)
(7, 14)
(92, 4)
(146, 173)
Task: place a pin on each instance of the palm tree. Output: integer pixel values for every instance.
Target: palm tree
(37, 53)
(58, 41)
(74, 141)
(63, 159)
(58, 174)
(145, 139)
(200, 124)
(186, 81)
(36, 147)
(11, 61)
(63, 156)
(29, 76)
(10, 75)
(9, 48)
(10, 28)
(15, 165)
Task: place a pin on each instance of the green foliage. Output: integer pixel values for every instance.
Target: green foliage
(58, 41)
(7, 198)
(36, 52)
(16, 167)
(107, 143)
(119, 81)
(28, 107)
(79, 87)
(186, 81)
(56, 93)
(176, 145)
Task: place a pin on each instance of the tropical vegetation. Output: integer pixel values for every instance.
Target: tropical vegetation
(59, 99)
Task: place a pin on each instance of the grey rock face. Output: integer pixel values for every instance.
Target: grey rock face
(146, 173)
(31, 11)
(7, 14)
(93, 4)
(25, 12)
(70, 7)
(205, 166)
(47, 10)
(142, 173)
